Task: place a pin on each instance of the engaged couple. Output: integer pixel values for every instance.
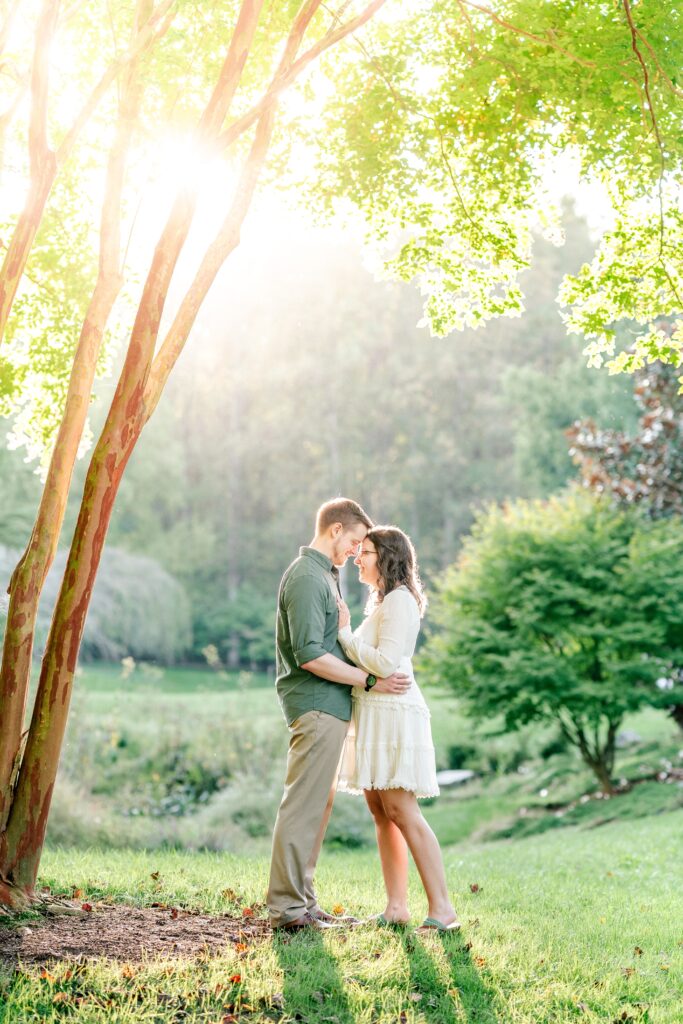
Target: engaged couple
(356, 717)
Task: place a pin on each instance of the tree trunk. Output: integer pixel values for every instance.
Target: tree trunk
(43, 163)
(676, 712)
(22, 842)
(29, 576)
(603, 776)
(233, 514)
(18, 250)
(136, 396)
(600, 756)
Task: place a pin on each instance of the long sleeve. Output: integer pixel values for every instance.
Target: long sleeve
(398, 628)
(303, 603)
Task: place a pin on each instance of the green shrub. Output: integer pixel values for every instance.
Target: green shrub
(569, 612)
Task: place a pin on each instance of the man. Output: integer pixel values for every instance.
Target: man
(314, 681)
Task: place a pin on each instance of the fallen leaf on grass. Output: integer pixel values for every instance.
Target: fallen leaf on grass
(664, 967)
(127, 971)
(403, 1017)
(277, 1000)
(159, 906)
(474, 887)
(156, 875)
(87, 907)
(231, 895)
(628, 971)
(583, 1007)
(637, 950)
(415, 997)
(76, 894)
(174, 912)
(468, 946)
(46, 976)
(248, 912)
(241, 947)
(337, 910)
(235, 978)
(480, 961)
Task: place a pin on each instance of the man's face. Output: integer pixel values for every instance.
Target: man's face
(347, 542)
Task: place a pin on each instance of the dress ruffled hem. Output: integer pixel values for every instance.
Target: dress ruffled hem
(346, 787)
(384, 765)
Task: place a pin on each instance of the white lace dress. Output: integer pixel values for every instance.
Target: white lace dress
(389, 743)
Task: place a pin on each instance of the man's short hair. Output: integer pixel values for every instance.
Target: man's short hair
(341, 510)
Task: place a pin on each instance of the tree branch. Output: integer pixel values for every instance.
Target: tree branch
(660, 146)
(543, 40)
(8, 22)
(153, 30)
(228, 237)
(280, 83)
(37, 130)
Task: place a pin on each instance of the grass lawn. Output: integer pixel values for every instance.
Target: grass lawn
(566, 926)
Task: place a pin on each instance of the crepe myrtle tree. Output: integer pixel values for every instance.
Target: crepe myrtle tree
(435, 120)
(567, 611)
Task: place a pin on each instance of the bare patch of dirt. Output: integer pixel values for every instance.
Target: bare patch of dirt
(125, 933)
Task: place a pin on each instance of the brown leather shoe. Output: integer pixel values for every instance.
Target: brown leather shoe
(321, 915)
(299, 923)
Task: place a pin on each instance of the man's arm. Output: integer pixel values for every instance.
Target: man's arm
(327, 666)
(304, 605)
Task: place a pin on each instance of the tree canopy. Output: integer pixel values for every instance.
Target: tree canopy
(443, 124)
(565, 611)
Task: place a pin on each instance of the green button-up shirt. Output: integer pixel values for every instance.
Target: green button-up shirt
(307, 626)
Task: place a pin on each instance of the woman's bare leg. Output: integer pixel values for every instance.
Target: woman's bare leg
(402, 809)
(393, 855)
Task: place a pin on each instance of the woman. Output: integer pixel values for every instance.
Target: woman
(389, 754)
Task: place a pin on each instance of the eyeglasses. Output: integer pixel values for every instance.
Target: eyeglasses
(362, 554)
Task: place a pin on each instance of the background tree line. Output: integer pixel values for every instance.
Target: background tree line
(327, 386)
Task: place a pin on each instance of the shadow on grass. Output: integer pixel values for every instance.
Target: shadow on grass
(312, 987)
(465, 999)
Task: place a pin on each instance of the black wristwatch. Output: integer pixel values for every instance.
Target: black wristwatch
(370, 682)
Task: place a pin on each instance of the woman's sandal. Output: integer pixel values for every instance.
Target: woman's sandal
(430, 924)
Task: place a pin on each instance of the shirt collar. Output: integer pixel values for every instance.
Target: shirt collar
(319, 557)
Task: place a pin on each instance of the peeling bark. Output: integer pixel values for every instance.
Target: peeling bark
(30, 573)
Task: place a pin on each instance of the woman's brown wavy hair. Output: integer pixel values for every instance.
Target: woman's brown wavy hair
(396, 564)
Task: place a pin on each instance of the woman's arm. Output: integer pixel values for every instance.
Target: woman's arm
(395, 623)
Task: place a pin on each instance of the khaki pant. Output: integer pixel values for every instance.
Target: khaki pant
(315, 748)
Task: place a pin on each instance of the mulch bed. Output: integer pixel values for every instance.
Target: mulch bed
(125, 933)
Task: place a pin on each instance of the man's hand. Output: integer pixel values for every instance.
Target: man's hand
(399, 682)
(344, 613)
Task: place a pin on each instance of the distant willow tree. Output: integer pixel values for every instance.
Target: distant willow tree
(437, 123)
(567, 611)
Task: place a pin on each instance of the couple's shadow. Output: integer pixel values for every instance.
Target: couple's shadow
(314, 990)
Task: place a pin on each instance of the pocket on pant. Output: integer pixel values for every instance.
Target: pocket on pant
(307, 714)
